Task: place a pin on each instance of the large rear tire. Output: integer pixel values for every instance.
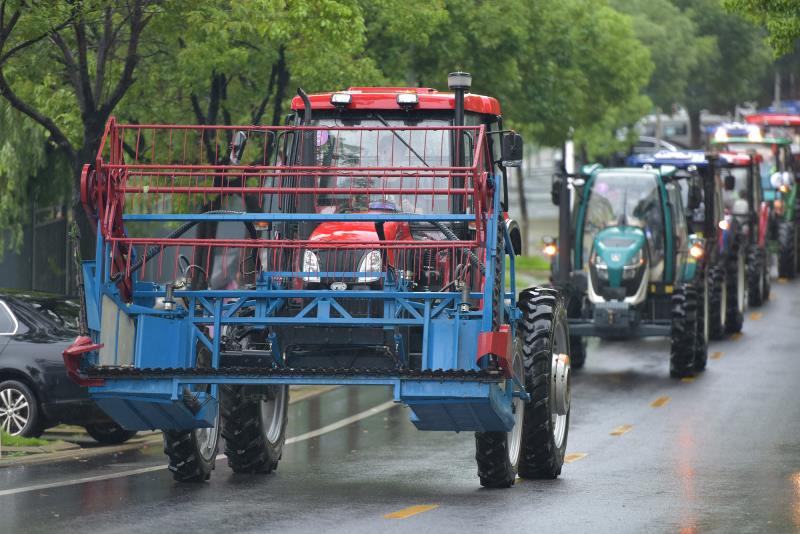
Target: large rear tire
(684, 330)
(254, 426)
(546, 360)
(787, 250)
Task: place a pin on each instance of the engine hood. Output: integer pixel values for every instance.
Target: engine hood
(617, 246)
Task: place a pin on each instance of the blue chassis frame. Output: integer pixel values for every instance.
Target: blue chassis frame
(168, 339)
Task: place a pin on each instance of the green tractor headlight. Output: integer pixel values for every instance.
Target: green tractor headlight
(600, 266)
(632, 266)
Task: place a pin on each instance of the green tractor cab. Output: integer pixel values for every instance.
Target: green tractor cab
(627, 261)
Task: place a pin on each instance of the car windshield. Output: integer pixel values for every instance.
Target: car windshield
(620, 199)
(388, 149)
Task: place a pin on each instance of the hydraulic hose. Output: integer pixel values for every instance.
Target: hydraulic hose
(473, 258)
(182, 229)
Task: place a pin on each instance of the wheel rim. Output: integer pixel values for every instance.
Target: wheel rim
(740, 285)
(518, 406)
(15, 411)
(706, 312)
(207, 439)
(272, 414)
(723, 303)
(559, 386)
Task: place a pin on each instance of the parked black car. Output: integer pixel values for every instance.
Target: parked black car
(35, 392)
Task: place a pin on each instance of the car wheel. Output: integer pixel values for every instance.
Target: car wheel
(19, 410)
(109, 433)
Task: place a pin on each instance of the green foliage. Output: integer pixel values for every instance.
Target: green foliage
(671, 37)
(733, 60)
(29, 170)
(8, 440)
(781, 18)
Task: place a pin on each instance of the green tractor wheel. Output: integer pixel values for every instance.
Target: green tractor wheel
(684, 331)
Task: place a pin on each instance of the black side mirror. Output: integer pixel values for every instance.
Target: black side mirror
(555, 189)
(237, 147)
(511, 150)
(730, 182)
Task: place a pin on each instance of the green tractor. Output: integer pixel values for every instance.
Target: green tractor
(776, 164)
(627, 262)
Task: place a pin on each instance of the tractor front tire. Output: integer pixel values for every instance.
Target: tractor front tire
(737, 293)
(577, 355)
(547, 358)
(192, 453)
(787, 250)
(717, 303)
(757, 277)
(684, 330)
(254, 426)
(701, 337)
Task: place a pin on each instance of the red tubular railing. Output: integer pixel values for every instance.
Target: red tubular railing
(153, 169)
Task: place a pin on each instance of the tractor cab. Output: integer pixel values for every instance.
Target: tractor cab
(623, 233)
(632, 265)
(774, 151)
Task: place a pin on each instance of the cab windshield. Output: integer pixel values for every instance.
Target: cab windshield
(390, 150)
(619, 199)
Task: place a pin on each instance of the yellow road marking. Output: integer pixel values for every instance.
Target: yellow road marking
(411, 510)
(716, 356)
(574, 457)
(620, 430)
(659, 402)
(737, 336)
(687, 379)
(755, 316)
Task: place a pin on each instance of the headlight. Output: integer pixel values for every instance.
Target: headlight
(600, 266)
(310, 265)
(370, 263)
(632, 267)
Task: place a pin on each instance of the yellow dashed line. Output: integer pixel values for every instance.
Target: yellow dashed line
(716, 356)
(659, 402)
(755, 316)
(620, 430)
(411, 510)
(687, 379)
(574, 457)
(737, 336)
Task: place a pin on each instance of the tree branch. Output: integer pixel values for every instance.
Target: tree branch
(131, 58)
(86, 88)
(17, 103)
(102, 55)
(259, 112)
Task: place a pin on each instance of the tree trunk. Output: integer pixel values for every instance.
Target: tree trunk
(523, 210)
(695, 128)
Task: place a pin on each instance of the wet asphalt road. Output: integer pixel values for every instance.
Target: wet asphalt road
(649, 454)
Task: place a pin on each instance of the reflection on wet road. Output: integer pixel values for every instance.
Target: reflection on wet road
(646, 454)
